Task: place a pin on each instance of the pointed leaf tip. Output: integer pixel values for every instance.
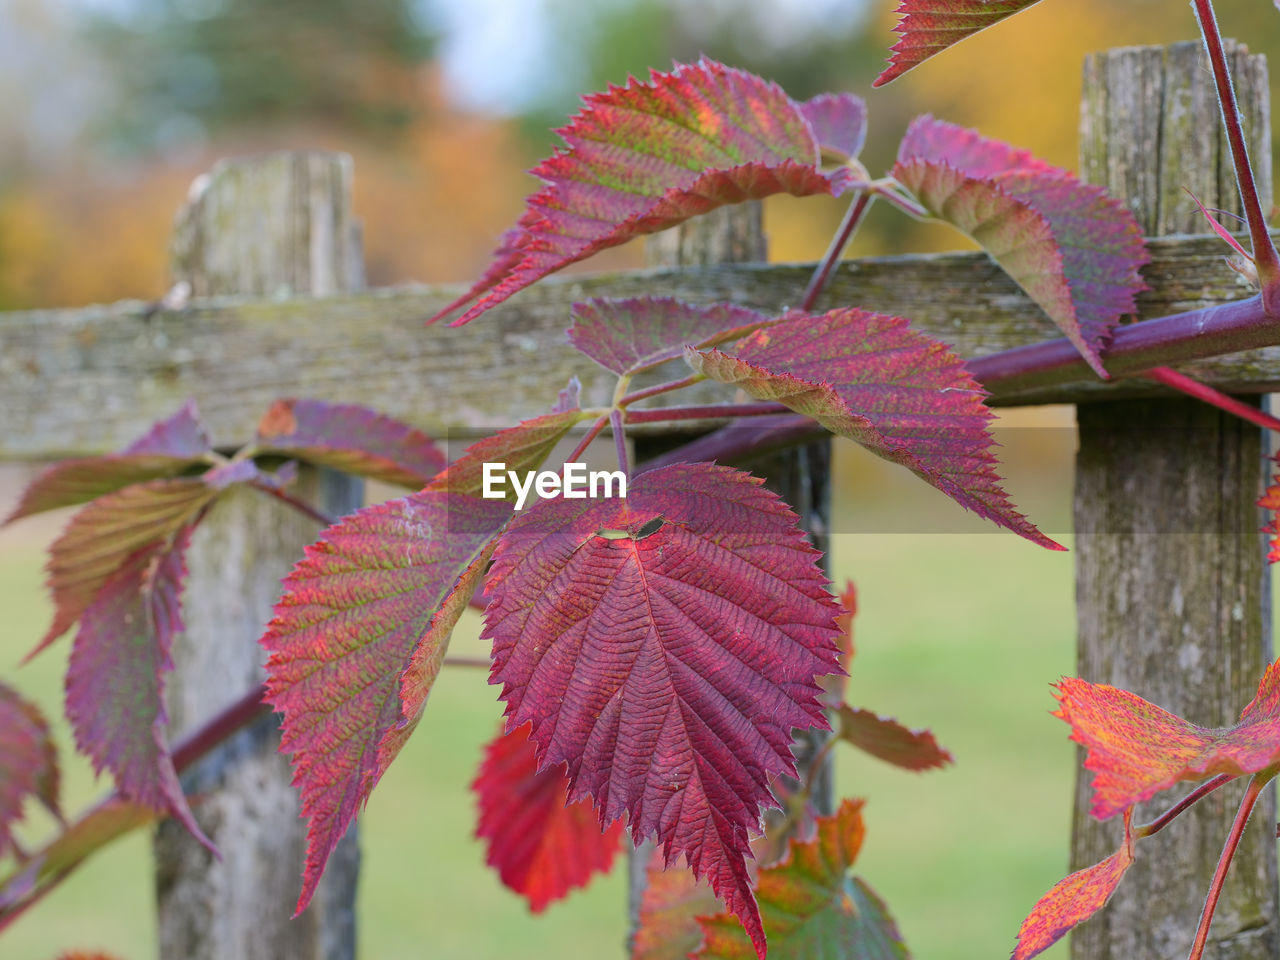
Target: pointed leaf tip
(649, 155)
(1073, 249)
(541, 845)
(669, 676)
(1074, 899)
(927, 27)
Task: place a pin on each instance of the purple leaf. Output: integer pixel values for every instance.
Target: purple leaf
(627, 336)
(28, 762)
(641, 158)
(903, 395)
(350, 438)
(839, 121)
(115, 677)
(1073, 249)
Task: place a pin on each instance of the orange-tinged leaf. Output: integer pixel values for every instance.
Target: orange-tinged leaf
(812, 906)
(890, 741)
(1074, 899)
(1137, 749)
(541, 845)
(522, 448)
(673, 900)
(927, 27)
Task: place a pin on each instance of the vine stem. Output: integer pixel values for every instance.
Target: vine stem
(1201, 391)
(1264, 251)
(660, 388)
(297, 503)
(585, 442)
(710, 411)
(822, 275)
(620, 442)
(1251, 795)
(482, 663)
(1166, 818)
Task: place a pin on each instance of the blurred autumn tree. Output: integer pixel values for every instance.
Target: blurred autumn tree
(108, 109)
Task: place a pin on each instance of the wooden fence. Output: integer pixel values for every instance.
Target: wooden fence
(1172, 594)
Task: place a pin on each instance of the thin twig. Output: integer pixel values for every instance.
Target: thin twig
(1264, 251)
(1166, 818)
(1202, 391)
(620, 442)
(661, 388)
(590, 435)
(1251, 795)
(297, 503)
(822, 275)
(710, 411)
(482, 663)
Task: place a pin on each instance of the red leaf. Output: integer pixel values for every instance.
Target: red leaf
(891, 741)
(628, 336)
(169, 448)
(1073, 249)
(673, 899)
(839, 121)
(351, 438)
(362, 625)
(107, 532)
(115, 677)
(928, 27)
(836, 683)
(1074, 899)
(903, 395)
(811, 906)
(666, 667)
(1136, 749)
(28, 762)
(541, 845)
(641, 158)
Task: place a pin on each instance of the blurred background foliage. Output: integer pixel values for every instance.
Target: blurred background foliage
(109, 109)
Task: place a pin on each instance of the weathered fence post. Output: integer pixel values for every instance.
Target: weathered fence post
(279, 225)
(1173, 600)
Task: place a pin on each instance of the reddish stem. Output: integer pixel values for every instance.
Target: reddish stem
(822, 276)
(590, 435)
(1194, 388)
(1264, 251)
(710, 411)
(660, 388)
(1251, 795)
(620, 441)
(297, 503)
(1166, 818)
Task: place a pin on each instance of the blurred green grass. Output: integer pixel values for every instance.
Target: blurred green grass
(961, 632)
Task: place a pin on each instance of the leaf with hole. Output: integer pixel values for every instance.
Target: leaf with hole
(541, 845)
(867, 376)
(647, 156)
(667, 671)
(1073, 249)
